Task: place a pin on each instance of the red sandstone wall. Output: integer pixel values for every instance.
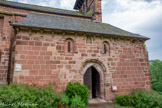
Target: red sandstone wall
(7, 33)
(5, 44)
(43, 60)
(6, 36)
(131, 66)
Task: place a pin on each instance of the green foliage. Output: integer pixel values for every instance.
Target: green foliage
(76, 102)
(65, 100)
(75, 96)
(157, 86)
(156, 71)
(144, 45)
(89, 13)
(73, 89)
(123, 100)
(140, 99)
(156, 75)
(116, 105)
(39, 97)
(78, 13)
(160, 93)
(144, 99)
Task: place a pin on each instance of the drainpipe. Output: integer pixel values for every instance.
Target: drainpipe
(12, 40)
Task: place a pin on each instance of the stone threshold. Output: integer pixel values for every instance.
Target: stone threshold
(95, 101)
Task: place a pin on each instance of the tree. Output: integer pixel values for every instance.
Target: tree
(156, 75)
(156, 71)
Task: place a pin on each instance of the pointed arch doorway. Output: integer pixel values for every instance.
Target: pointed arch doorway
(92, 80)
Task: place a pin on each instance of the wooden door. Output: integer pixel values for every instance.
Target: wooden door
(92, 80)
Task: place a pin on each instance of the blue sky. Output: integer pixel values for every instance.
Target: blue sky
(138, 16)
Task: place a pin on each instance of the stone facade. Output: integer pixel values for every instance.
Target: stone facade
(7, 33)
(44, 60)
(44, 57)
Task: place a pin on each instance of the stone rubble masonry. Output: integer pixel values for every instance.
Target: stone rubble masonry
(8, 33)
(44, 60)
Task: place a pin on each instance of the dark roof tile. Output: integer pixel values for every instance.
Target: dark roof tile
(63, 23)
(41, 8)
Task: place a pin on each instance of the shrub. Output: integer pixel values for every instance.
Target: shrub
(19, 95)
(24, 96)
(144, 99)
(123, 100)
(157, 86)
(73, 89)
(140, 99)
(160, 93)
(65, 100)
(77, 102)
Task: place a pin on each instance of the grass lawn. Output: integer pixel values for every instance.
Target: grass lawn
(118, 106)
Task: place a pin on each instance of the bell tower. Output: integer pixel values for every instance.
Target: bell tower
(90, 7)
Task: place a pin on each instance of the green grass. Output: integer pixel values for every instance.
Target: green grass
(118, 106)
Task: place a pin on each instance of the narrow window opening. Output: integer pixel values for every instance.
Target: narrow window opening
(69, 50)
(105, 49)
(69, 46)
(1, 27)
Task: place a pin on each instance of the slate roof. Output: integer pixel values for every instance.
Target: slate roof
(34, 20)
(41, 8)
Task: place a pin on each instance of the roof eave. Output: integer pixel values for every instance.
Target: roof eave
(17, 25)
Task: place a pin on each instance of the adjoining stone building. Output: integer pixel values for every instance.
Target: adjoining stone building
(39, 45)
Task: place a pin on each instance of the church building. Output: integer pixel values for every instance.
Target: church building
(41, 45)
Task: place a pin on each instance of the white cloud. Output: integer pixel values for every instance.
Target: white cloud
(139, 16)
(129, 14)
(67, 4)
(63, 4)
(23, 1)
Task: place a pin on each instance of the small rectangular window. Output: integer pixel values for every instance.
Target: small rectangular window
(69, 47)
